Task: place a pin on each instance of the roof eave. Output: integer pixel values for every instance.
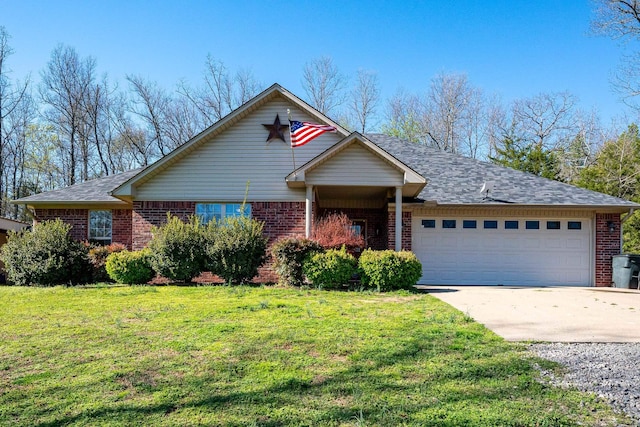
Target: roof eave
(568, 206)
(48, 203)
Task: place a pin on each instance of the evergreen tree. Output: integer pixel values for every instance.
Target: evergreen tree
(616, 171)
(531, 158)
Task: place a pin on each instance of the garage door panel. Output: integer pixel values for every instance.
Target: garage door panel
(507, 257)
(574, 243)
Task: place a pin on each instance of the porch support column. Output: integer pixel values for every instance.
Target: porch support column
(308, 211)
(398, 218)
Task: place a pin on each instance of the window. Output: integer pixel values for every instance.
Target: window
(511, 225)
(469, 223)
(210, 211)
(553, 225)
(428, 223)
(100, 227)
(491, 224)
(448, 223)
(574, 225)
(359, 226)
(532, 225)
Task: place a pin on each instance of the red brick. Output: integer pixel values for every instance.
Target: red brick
(607, 245)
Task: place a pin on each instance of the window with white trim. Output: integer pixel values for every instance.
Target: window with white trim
(210, 211)
(100, 227)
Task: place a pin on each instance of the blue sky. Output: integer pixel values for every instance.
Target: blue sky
(514, 48)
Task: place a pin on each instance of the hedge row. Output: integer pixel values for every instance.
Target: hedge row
(233, 249)
(295, 259)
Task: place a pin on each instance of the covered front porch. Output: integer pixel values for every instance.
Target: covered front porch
(359, 179)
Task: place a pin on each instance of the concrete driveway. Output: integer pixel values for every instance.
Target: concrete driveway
(555, 314)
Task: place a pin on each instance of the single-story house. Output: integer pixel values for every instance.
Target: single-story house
(469, 222)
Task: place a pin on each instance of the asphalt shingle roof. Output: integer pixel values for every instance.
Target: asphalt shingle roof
(451, 180)
(454, 179)
(93, 191)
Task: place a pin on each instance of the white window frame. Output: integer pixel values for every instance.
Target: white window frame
(104, 235)
(219, 211)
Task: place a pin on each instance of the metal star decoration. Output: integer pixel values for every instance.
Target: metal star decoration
(276, 130)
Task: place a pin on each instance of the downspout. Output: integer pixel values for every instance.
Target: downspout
(622, 221)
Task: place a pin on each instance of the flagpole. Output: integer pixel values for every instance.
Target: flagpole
(293, 156)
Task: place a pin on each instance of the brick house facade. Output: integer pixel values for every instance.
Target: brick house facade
(374, 179)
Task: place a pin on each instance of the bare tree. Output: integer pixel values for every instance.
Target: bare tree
(11, 97)
(324, 84)
(19, 121)
(620, 19)
(131, 147)
(66, 84)
(547, 120)
(221, 92)
(476, 125)
(617, 18)
(217, 99)
(364, 99)
(403, 117)
(151, 104)
(452, 116)
(246, 87)
(445, 110)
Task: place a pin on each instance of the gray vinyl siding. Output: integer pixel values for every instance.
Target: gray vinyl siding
(355, 165)
(219, 169)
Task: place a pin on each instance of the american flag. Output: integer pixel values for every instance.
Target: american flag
(303, 132)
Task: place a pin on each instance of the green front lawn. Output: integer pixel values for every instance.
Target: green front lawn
(241, 356)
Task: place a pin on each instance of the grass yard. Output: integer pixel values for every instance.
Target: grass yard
(242, 356)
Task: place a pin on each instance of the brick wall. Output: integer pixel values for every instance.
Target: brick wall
(121, 227)
(146, 214)
(406, 230)
(281, 219)
(78, 219)
(375, 219)
(607, 245)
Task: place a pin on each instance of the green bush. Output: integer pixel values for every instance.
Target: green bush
(130, 267)
(178, 248)
(330, 269)
(98, 257)
(389, 270)
(288, 256)
(46, 255)
(236, 248)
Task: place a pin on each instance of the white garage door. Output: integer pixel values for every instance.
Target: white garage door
(503, 251)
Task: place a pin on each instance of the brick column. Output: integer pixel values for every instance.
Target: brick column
(406, 230)
(607, 245)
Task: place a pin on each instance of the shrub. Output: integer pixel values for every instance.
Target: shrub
(335, 231)
(98, 257)
(178, 248)
(330, 269)
(288, 257)
(130, 267)
(46, 255)
(236, 248)
(389, 270)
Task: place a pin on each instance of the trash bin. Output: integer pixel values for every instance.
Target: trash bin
(625, 270)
